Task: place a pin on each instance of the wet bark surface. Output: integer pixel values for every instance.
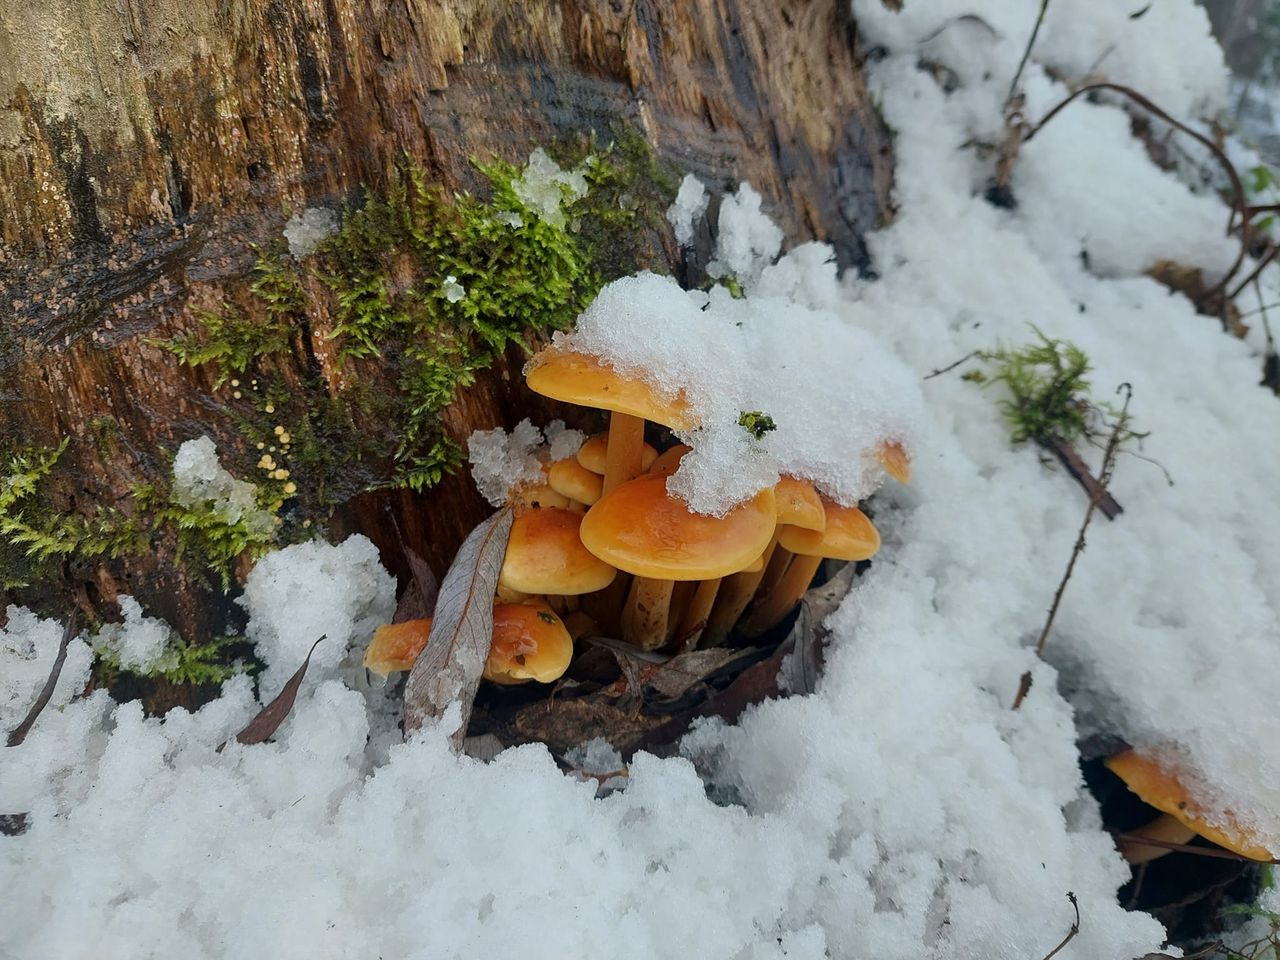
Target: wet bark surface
(144, 146)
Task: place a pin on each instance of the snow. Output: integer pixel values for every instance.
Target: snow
(307, 591)
(200, 482)
(140, 643)
(747, 240)
(834, 392)
(545, 189)
(562, 442)
(28, 646)
(903, 811)
(502, 461)
(453, 290)
(689, 205)
(305, 231)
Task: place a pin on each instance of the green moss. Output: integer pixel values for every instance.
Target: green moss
(756, 423)
(35, 537)
(182, 663)
(1048, 389)
(434, 286)
(234, 342)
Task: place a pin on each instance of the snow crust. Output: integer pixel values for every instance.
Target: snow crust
(902, 812)
(690, 203)
(545, 188)
(199, 481)
(140, 643)
(305, 231)
(307, 591)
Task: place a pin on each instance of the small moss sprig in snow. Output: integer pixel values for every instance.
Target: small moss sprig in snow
(1048, 391)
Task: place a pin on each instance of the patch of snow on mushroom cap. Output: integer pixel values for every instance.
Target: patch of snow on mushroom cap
(834, 392)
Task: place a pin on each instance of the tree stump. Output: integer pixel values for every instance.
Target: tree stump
(148, 145)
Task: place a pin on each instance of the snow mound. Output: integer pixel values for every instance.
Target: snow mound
(690, 203)
(307, 591)
(140, 643)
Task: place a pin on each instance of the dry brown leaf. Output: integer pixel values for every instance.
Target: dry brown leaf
(448, 669)
(269, 718)
(419, 599)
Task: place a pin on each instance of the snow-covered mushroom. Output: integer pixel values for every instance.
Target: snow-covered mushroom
(643, 530)
(1159, 785)
(848, 535)
(585, 380)
(529, 643)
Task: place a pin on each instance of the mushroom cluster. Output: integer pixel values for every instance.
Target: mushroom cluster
(600, 546)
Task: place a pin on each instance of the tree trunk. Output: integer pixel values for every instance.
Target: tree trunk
(148, 143)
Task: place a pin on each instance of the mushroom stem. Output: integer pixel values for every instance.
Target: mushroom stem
(779, 601)
(734, 596)
(696, 616)
(1164, 827)
(644, 621)
(625, 453)
(774, 570)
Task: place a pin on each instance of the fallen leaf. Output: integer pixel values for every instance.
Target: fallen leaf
(448, 669)
(269, 718)
(674, 678)
(802, 665)
(419, 599)
(19, 733)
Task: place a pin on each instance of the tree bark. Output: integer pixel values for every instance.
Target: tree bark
(146, 144)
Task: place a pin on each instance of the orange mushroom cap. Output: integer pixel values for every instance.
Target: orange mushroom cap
(545, 555)
(571, 479)
(640, 528)
(893, 455)
(529, 643)
(396, 646)
(593, 452)
(849, 535)
(668, 462)
(799, 504)
(1160, 786)
(589, 382)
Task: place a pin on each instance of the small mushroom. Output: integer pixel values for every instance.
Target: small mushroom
(849, 535)
(667, 462)
(529, 643)
(590, 382)
(545, 555)
(594, 454)
(396, 645)
(571, 479)
(1160, 786)
(641, 529)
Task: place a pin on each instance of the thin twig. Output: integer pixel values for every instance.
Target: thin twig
(1079, 471)
(1071, 934)
(19, 733)
(1026, 53)
(1104, 478)
(1265, 262)
(951, 366)
(1237, 185)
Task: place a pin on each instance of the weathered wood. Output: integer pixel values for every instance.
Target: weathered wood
(145, 145)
